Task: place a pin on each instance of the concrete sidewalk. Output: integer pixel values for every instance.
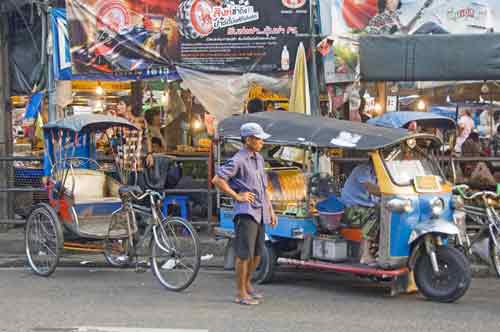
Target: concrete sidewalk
(12, 254)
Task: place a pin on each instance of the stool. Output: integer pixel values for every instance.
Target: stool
(180, 200)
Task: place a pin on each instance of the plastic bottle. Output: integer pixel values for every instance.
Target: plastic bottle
(285, 59)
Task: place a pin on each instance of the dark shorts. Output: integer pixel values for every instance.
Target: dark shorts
(249, 239)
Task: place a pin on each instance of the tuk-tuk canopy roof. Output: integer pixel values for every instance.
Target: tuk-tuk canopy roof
(78, 123)
(403, 119)
(287, 128)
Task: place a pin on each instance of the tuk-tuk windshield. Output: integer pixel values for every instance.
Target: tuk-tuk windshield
(405, 163)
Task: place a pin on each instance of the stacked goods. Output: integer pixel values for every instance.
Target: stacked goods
(286, 187)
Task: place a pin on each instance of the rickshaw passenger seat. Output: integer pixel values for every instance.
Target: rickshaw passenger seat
(91, 186)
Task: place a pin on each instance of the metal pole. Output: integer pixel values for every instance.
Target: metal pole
(50, 67)
(313, 69)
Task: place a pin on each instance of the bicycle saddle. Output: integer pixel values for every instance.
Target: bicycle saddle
(124, 190)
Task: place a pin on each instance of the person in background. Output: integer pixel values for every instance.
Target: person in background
(495, 143)
(153, 118)
(255, 105)
(269, 106)
(243, 178)
(124, 110)
(465, 126)
(157, 145)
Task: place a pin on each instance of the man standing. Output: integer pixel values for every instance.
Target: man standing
(243, 178)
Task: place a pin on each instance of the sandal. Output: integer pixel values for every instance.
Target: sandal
(246, 301)
(256, 295)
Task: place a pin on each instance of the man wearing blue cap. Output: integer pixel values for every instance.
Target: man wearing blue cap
(243, 178)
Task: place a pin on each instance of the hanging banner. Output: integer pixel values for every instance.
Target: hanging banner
(341, 17)
(144, 37)
(62, 53)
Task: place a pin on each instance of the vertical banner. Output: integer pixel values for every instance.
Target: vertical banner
(145, 37)
(62, 52)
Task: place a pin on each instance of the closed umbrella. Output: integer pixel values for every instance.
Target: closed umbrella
(299, 97)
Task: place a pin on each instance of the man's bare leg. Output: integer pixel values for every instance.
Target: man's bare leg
(242, 267)
(252, 266)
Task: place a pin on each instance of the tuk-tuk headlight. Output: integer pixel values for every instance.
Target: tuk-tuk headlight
(437, 207)
(400, 205)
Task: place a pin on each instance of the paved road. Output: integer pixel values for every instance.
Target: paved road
(80, 297)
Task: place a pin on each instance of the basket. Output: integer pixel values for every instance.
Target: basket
(329, 222)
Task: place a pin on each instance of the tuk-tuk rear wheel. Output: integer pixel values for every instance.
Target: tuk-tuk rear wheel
(454, 278)
(265, 271)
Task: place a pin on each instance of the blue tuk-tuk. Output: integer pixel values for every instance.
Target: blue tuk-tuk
(417, 228)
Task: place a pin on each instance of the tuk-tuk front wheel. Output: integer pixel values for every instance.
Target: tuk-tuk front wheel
(265, 270)
(451, 282)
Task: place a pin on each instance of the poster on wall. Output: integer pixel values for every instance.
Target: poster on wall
(349, 18)
(147, 37)
(340, 17)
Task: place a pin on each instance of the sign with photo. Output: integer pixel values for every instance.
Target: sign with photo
(147, 37)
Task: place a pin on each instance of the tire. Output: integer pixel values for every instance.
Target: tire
(116, 244)
(265, 271)
(495, 254)
(186, 12)
(453, 284)
(43, 239)
(175, 252)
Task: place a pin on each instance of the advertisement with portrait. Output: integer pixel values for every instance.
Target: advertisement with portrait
(396, 17)
(147, 37)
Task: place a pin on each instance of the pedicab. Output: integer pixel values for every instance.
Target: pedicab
(417, 229)
(95, 208)
(82, 193)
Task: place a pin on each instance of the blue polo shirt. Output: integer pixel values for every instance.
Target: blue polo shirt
(245, 173)
(354, 192)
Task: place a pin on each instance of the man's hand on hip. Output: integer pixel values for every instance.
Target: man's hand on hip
(245, 197)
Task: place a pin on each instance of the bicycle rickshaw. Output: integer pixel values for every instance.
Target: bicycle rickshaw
(417, 229)
(95, 208)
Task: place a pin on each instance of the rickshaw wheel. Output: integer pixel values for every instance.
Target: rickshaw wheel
(452, 283)
(43, 239)
(495, 254)
(265, 271)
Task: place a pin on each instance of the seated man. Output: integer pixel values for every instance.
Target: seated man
(360, 196)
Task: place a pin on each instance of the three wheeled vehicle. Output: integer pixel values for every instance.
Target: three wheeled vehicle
(417, 228)
(96, 207)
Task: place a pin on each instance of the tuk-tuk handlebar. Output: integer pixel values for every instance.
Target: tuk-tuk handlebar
(462, 188)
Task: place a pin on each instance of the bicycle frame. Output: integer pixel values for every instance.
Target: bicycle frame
(153, 213)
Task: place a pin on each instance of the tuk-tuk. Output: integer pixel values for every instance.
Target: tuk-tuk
(417, 229)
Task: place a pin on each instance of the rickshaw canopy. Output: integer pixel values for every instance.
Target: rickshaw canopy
(404, 118)
(84, 122)
(294, 129)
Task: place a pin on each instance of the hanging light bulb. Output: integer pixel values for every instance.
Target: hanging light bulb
(448, 99)
(99, 90)
(485, 89)
(366, 95)
(481, 100)
(421, 105)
